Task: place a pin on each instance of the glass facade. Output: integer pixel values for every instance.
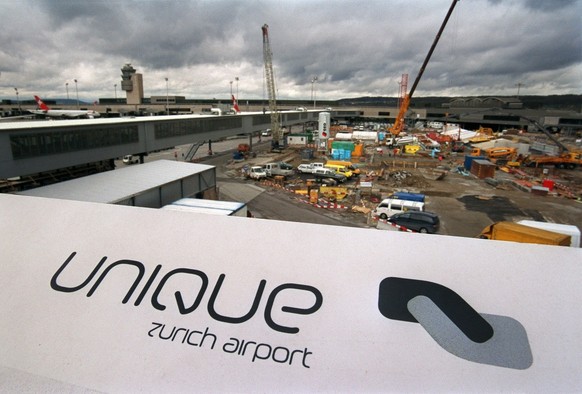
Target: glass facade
(55, 142)
(193, 126)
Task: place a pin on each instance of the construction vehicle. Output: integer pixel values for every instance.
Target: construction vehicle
(568, 229)
(276, 142)
(500, 155)
(355, 170)
(515, 232)
(483, 134)
(398, 126)
(567, 160)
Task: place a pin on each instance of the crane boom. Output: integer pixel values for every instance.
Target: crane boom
(399, 121)
(268, 60)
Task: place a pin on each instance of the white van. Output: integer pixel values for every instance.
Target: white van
(391, 206)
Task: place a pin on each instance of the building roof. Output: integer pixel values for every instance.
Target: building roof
(113, 186)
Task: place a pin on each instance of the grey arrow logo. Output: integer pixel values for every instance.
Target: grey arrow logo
(459, 329)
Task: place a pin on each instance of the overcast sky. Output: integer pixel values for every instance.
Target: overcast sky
(354, 48)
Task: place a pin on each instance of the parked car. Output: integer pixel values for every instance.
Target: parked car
(423, 222)
(257, 172)
(278, 168)
(129, 159)
(308, 168)
(327, 173)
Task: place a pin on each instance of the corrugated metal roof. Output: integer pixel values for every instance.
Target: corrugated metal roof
(118, 185)
(95, 122)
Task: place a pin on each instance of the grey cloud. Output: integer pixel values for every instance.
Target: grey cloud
(350, 46)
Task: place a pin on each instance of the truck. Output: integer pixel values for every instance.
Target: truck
(356, 171)
(500, 155)
(515, 232)
(278, 168)
(567, 229)
(566, 160)
(256, 172)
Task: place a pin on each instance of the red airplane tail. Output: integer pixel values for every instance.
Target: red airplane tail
(235, 104)
(41, 104)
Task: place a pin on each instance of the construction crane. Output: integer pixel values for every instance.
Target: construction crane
(403, 88)
(398, 126)
(269, 76)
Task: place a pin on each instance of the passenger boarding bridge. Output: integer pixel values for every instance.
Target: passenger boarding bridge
(40, 146)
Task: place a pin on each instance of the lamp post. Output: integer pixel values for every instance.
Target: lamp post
(77, 91)
(115, 87)
(167, 99)
(18, 101)
(519, 85)
(236, 79)
(313, 92)
(67, 87)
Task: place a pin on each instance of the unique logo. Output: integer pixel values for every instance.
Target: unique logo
(459, 329)
(202, 283)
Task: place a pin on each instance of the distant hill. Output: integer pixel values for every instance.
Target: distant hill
(571, 102)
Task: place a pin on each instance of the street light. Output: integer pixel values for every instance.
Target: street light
(18, 101)
(115, 87)
(167, 99)
(313, 92)
(67, 87)
(236, 79)
(77, 91)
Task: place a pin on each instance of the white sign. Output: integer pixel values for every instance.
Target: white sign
(114, 298)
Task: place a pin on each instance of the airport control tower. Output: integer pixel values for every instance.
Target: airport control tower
(132, 83)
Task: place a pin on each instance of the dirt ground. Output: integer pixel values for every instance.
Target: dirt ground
(465, 204)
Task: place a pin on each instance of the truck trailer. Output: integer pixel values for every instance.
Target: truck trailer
(515, 232)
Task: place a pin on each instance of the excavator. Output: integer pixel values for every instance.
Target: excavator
(398, 126)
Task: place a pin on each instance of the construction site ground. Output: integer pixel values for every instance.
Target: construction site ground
(464, 203)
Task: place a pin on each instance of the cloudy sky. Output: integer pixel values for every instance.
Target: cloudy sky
(354, 48)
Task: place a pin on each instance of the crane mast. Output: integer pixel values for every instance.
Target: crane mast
(399, 121)
(268, 60)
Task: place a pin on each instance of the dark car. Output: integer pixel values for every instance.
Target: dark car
(331, 174)
(423, 222)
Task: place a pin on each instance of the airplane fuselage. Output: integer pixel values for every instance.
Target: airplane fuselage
(72, 114)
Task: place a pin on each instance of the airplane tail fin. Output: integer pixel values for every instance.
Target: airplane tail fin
(41, 104)
(235, 104)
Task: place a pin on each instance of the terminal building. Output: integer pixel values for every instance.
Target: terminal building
(40, 152)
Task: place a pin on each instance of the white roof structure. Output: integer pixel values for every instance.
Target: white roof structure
(113, 187)
(459, 133)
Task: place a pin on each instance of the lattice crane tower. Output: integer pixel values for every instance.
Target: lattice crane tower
(403, 89)
(268, 60)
